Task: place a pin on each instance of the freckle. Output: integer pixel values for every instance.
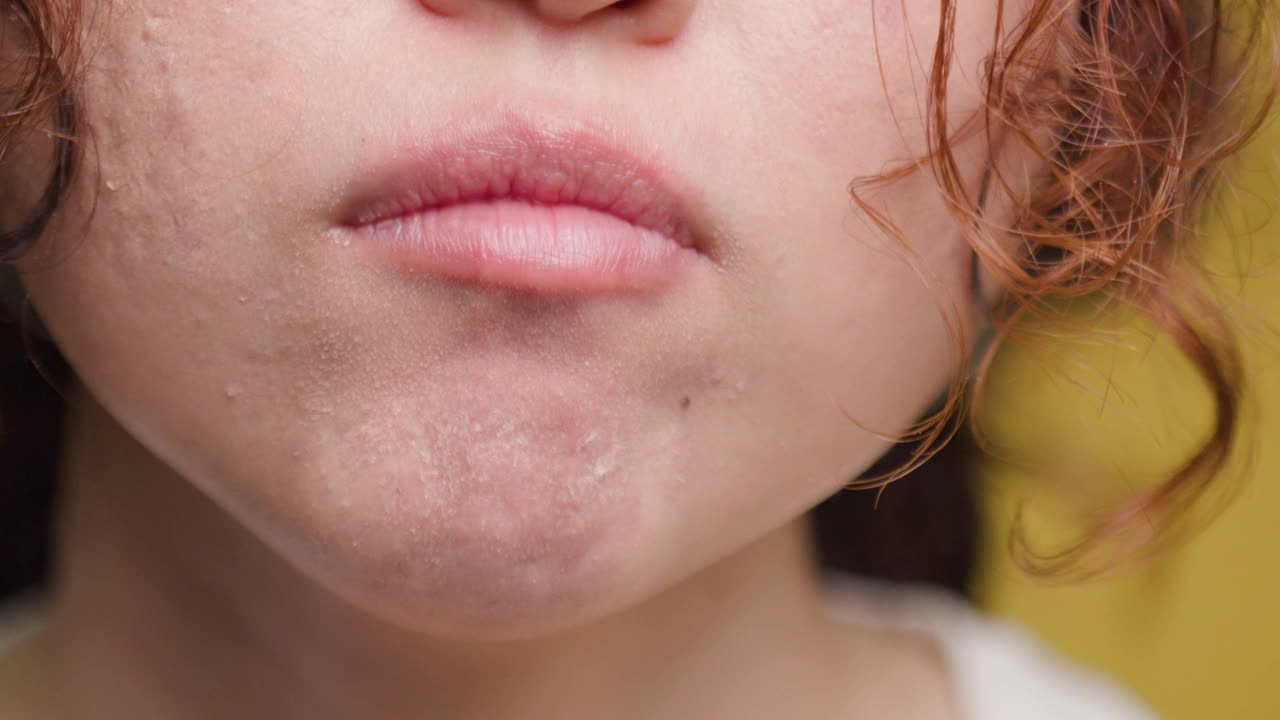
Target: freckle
(685, 402)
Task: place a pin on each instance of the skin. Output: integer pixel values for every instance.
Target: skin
(340, 489)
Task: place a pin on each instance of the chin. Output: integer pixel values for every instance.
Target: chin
(504, 542)
(489, 568)
(485, 501)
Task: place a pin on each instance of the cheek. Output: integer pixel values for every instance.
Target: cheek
(840, 319)
(857, 75)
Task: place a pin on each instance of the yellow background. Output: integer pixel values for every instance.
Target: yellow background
(1197, 633)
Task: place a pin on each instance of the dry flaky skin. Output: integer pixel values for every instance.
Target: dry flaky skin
(1129, 131)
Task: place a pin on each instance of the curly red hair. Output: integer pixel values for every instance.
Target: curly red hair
(1130, 109)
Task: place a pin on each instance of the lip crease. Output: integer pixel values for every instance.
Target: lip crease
(532, 206)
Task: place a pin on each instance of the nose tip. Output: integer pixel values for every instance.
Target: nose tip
(648, 21)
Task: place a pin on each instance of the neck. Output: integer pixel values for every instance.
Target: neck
(167, 607)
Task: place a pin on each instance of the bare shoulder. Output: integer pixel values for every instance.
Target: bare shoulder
(23, 678)
(913, 666)
(983, 667)
(898, 673)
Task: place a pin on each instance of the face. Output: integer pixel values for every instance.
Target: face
(479, 459)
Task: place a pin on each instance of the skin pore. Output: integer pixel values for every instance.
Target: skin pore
(298, 485)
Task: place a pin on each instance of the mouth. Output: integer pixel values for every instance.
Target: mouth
(521, 205)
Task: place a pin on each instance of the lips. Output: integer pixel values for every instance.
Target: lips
(522, 205)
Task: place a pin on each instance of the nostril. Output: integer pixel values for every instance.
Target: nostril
(443, 8)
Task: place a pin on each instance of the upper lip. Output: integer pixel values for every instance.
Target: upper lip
(510, 156)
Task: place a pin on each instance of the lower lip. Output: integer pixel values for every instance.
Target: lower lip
(543, 248)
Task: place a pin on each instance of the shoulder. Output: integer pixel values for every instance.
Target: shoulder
(20, 616)
(998, 670)
(23, 653)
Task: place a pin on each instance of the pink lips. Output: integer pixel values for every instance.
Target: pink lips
(516, 206)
